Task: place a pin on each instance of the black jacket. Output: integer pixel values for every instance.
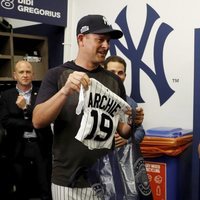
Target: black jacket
(13, 120)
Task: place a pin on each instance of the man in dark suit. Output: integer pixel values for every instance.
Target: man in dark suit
(28, 149)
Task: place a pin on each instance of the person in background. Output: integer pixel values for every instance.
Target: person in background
(127, 158)
(117, 65)
(28, 149)
(57, 101)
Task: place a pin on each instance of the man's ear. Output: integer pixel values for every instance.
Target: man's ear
(80, 38)
(14, 75)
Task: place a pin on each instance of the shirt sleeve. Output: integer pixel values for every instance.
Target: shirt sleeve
(49, 86)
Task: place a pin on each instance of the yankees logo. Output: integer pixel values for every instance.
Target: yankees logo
(7, 4)
(106, 21)
(135, 55)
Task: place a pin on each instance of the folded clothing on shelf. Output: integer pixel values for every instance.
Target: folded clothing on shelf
(165, 141)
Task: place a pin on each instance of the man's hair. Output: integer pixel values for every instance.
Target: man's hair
(22, 60)
(114, 59)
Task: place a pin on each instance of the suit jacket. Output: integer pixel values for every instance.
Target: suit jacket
(13, 120)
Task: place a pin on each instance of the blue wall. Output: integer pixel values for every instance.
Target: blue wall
(196, 119)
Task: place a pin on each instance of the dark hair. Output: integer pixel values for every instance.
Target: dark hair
(114, 59)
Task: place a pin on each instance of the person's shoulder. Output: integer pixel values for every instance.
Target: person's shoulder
(35, 88)
(54, 72)
(9, 91)
(58, 67)
(8, 94)
(110, 74)
(61, 67)
(111, 81)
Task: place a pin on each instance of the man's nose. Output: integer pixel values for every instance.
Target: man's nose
(106, 44)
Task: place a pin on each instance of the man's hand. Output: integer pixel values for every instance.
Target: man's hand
(21, 102)
(139, 117)
(74, 82)
(119, 141)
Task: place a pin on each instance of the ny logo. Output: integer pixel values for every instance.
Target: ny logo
(135, 55)
(105, 21)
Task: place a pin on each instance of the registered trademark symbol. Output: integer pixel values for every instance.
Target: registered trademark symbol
(175, 80)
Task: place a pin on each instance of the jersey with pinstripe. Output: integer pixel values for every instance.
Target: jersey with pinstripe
(67, 193)
(102, 111)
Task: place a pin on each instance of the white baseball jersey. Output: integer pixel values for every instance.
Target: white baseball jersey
(102, 110)
(66, 193)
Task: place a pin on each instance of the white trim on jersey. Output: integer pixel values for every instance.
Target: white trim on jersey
(102, 110)
(66, 193)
